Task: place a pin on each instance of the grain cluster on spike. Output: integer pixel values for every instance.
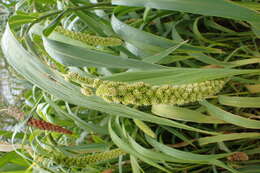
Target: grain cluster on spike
(140, 93)
(43, 125)
(83, 161)
(40, 124)
(90, 39)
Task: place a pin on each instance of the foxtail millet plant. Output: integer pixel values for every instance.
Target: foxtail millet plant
(90, 39)
(43, 125)
(140, 93)
(83, 161)
(40, 124)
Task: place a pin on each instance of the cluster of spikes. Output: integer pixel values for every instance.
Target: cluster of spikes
(90, 39)
(82, 161)
(40, 124)
(140, 93)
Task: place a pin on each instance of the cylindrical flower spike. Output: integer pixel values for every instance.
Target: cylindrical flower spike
(90, 39)
(144, 94)
(82, 161)
(40, 124)
(140, 93)
(43, 125)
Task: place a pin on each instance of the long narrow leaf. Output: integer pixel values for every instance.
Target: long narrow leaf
(71, 55)
(241, 102)
(150, 43)
(183, 114)
(227, 137)
(231, 118)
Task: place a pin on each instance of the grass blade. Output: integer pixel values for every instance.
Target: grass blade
(231, 118)
(71, 55)
(184, 114)
(241, 102)
(227, 137)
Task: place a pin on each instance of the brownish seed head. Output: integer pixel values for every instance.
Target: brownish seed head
(43, 125)
(238, 156)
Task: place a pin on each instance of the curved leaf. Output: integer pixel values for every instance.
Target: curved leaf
(177, 76)
(159, 57)
(122, 143)
(196, 158)
(183, 114)
(150, 43)
(71, 55)
(227, 137)
(231, 118)
(241, 102)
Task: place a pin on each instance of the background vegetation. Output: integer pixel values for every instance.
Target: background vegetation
(50, 126)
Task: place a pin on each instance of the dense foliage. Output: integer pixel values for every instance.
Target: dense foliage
(132, 86)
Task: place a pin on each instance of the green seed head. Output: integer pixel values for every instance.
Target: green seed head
(140, 93)
(85, 160)
(144, 94)
(90, 39)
